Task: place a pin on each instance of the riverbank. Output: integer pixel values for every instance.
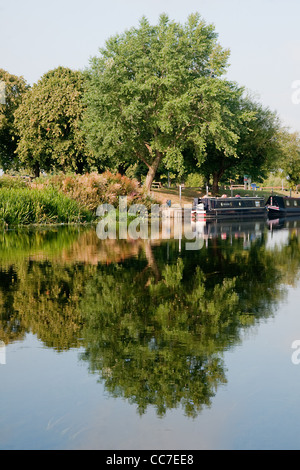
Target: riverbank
(69, 199)
(64, 198)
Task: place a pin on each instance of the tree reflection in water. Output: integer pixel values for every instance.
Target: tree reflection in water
(153, 321)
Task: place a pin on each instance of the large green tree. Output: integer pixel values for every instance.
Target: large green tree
(155, 91)
(258, 145)
(48, 122)
(12, 91)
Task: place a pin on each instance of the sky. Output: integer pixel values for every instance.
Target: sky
(263, 37)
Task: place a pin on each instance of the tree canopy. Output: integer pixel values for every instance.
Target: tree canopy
(12, 93)
(48, 123)
(156, 91)
(258, 146)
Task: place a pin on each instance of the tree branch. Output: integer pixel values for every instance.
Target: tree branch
(143, 160)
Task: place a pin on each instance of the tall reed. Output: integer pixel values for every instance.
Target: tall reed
(22, 206)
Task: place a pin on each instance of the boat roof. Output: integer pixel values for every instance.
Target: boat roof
(231, 197)
(283, 196)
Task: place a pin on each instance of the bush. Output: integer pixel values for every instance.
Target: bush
(194, 180)
(92, 190)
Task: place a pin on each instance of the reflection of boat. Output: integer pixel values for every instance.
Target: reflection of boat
(247, 230)
(283, 206)
(228, 207)
(284, 222)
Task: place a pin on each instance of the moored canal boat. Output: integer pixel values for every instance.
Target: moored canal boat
(228, 207)
(283, 206)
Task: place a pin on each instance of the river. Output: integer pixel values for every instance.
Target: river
(148, 343)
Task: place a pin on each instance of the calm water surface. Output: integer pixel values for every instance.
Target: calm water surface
(140, 344)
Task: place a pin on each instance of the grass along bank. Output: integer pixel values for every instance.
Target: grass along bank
(24, 206)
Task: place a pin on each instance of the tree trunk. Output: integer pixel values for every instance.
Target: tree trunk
(215, 186)
(217, 175)
(152, 172)
(152, 261)
(36, 170)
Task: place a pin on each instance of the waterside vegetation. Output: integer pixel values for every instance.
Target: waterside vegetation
(64, 198)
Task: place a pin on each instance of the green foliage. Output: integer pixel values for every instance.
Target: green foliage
(256, 149)
(12, 182)
(15, 88)
(48, 122)
(154, 91)
(259, 150)
(194, 180)
(275, 179)
(32, 206)
(290, 162)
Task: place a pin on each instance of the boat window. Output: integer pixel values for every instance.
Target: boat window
(257, 203)
(295, 203)
(288, 203)
(225, 204)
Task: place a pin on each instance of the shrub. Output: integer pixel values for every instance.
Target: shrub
(92, 190)
(194, 180)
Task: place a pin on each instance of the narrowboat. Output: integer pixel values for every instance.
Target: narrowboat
(283, 206)
(228, 207)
